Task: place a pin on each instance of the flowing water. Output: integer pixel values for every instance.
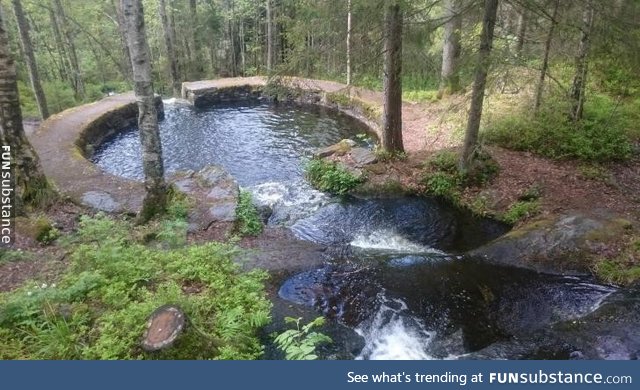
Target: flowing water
(395, 280)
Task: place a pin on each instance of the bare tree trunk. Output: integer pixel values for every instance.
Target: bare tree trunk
(78, 83)
(392, 116)
(450, 78)
(545, 58)
(521, 31)
(62, 52)
(348, 42)
(269, 37)
(30, 59)
(196, 66)
(477, 97)
(169, 45)
(580, 78)
(156, 197)
(30, 181)
(122, 31)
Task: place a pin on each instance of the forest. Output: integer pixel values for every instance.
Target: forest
(294, 179)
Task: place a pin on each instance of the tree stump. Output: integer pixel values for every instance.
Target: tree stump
(164, 326)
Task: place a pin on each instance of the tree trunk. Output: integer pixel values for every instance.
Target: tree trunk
(450, 79)
(169, 45)
(392, 116)
(348, 42)
(30, 182)
(477, 97)
(123, 39)
(30, 59)
(156, 197)
(545, 58)
(521, 31)
(196, 66)
(76, 74)
(62, 52)
(269, 38)
(580, 77)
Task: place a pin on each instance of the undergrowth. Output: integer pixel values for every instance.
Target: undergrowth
(248, 221)
(603, 135)
(119, 273)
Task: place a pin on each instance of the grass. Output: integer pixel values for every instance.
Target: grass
(625, 267)
(521, 210)
(331, 177)
(118, 274)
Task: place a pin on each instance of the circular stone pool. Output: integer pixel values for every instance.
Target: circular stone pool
(255, 142)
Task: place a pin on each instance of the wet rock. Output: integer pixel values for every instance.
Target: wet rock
(215, 194)
(363, 156)
(559, 245)
(100, 200)
(339, 149)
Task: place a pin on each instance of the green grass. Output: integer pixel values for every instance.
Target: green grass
(331, 177)
(115, 280)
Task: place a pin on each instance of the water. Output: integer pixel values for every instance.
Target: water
(256, 142)
(395, 282)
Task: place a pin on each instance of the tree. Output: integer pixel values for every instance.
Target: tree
(30, 59)
(580, 77)
(480, 79)
(348, 42)
(156, 189)
(31, 183)
(63, 25)
(545, 57)
(169, 42)
(521, 30)
(269, 37)
(392, 81)
(449, 75)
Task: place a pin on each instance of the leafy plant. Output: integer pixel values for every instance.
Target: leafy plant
(301, 343)
(331, 177)
(248, 221)
(98, 309)
(521, 210)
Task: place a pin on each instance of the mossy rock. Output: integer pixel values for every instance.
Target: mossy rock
(39, 228)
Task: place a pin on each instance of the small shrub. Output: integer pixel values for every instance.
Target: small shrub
(445, 185)
(248, 221)
(386, 156)
(301, 343)
(331, 177)
(521, 210)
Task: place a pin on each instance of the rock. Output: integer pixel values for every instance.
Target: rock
(164, 326)
(363, 156)
(100, 200)
(339, 149)
(215, 193)
(557, 246)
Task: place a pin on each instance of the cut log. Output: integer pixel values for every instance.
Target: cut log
(164, 326)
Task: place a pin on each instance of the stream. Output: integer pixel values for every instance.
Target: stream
(394, 280)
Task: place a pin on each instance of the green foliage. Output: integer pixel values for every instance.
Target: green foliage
(521, 210)
(248, 221)
(8, 256)
(603, 134)
(114, 282)
(386, 156)
(624, 266)
(331, 177)
(301, 343)
(420, 96)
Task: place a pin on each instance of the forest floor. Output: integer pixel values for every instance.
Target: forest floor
(429, 127)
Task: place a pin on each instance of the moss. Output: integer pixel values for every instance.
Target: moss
(521, 210)
(339, 98)
(38, 228)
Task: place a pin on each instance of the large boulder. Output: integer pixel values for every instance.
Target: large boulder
(558, 245)
(215, 193)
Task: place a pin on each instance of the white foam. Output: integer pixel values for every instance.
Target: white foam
(389, 240)
(393, 334)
